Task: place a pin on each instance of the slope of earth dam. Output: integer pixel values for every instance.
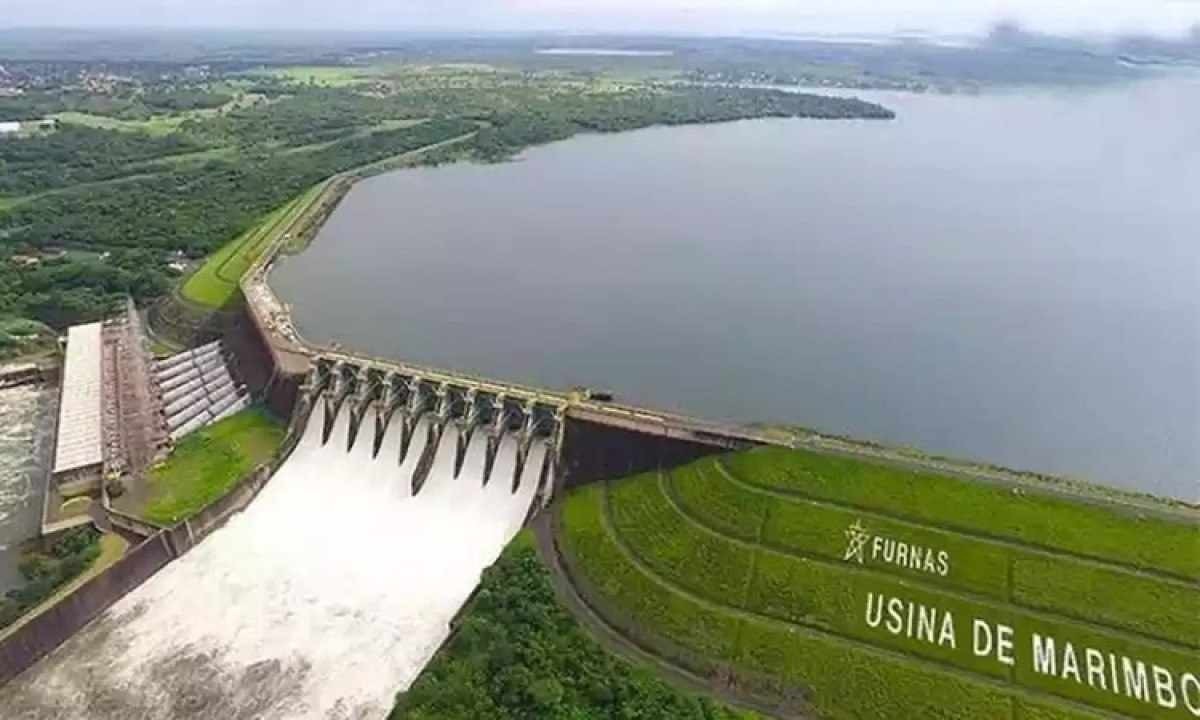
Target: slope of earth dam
(323, 599)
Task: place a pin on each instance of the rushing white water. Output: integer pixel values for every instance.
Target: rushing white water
(323, 599)
(26, 415)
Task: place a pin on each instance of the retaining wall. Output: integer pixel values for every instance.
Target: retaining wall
(130, 524)
(594, 451)
(276, 386)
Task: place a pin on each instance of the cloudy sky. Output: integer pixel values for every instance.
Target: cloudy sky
(685, 16)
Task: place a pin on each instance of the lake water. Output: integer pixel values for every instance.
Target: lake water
(1011, 277)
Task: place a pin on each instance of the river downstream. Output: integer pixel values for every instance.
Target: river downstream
(26, 424)
(1008, 278)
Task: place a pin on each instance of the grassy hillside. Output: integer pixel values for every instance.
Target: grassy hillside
(215, 284)
(883, 592)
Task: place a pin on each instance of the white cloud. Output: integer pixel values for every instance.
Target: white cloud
(709, 16)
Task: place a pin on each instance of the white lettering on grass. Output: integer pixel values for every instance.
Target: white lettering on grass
(1136, 684)
(1004, 645)
(913, 620)
(1044, 659)
(873, 619)
(1095, 668)
(1164, 688)
(895, 619)
(946, 636)
(1189, 688)
(1102, 671)
(891, 551)
(981, 634)
(1120, 675)
(1070, 663)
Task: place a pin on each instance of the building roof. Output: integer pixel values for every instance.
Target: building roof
(79, 415)
(10, 127)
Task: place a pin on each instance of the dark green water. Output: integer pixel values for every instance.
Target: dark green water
(1011, 278)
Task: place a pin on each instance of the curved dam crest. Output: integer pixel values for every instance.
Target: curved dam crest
(325, 597)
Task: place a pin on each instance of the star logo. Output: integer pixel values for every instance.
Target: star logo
(857, 536)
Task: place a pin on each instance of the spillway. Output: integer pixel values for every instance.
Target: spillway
(323, 599)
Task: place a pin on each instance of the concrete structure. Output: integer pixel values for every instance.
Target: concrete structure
(25, 374)
(79, 447)
(109, 423)
(197, 388)
(302, 373)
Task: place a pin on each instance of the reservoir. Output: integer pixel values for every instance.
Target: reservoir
(1009, 277)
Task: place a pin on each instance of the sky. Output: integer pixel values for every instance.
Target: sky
(1160, 17)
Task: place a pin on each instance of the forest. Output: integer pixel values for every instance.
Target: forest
(78, 154)
(517, 655)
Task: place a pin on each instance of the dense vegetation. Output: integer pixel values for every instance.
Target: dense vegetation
(64, 289)
(743, 562)
(77, 154)
(197, 210)
(45, 572)
(517, 655)
(567, 115)
(207, 463)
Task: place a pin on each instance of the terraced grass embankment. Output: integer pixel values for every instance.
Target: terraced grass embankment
(737, 563)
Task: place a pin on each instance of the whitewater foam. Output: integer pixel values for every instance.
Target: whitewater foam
(323, 599)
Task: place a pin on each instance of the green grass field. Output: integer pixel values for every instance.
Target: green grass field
(740, 562)
(995, 510)
(207, 463)
(215, 284)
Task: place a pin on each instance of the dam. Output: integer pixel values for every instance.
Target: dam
(331, 591)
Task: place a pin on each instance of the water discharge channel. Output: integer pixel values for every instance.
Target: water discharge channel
(323, 599)
(26, 425)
